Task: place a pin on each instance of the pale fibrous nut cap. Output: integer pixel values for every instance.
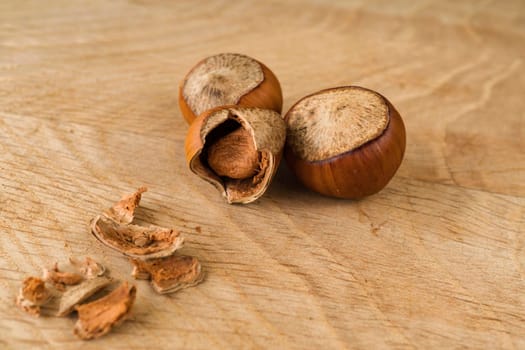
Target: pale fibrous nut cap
(325, 125)
(228, 79)
(268, 132)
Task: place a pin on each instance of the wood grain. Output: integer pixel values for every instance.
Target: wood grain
(88, 111)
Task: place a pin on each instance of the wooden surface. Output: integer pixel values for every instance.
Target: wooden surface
(88, 112)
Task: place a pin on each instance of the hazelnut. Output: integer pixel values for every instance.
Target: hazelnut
(344, 142)
(237, 149)
(228, 79)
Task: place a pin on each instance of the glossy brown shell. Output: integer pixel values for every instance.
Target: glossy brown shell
(357, 173)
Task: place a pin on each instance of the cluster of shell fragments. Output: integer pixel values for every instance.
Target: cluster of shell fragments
(79, 285)
(151, 249)
(71, 287)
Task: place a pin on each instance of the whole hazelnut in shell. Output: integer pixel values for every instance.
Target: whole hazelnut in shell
(228, 79)
(345, 142)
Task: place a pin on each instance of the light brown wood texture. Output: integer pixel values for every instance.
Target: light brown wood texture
(88, 112)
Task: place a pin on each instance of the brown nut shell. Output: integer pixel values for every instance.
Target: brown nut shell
(268, 132)
(33, 294)
(169, 274)
(100, 316)
(136, 241)
(79, 293)
(228, 79)
(123, 211)
(369, 161)
(89, 267)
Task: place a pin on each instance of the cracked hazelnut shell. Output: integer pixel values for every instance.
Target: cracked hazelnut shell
(114, 229)
(143, 242)
(32, 295)
(79, 293)
(98, 317)
(345, 142)
(169, 274)
(263, 129)
(228, 79)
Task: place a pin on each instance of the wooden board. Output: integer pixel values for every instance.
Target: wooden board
(88, 111)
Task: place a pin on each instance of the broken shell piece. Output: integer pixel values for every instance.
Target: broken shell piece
(32, 295)
(124, 210)
(169, 274)
(136, 241)
(61, 279)
(100, 316)
(77, 294)
(89, 267)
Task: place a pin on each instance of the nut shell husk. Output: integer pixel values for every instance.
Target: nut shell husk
(360, 172)
(266, 93)
(169, 274)
(79, 293)
(136, 241)
(32, 295)
(89, 267)
(114, 229)
(123, 211)
(268, 131)
(100, 316)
